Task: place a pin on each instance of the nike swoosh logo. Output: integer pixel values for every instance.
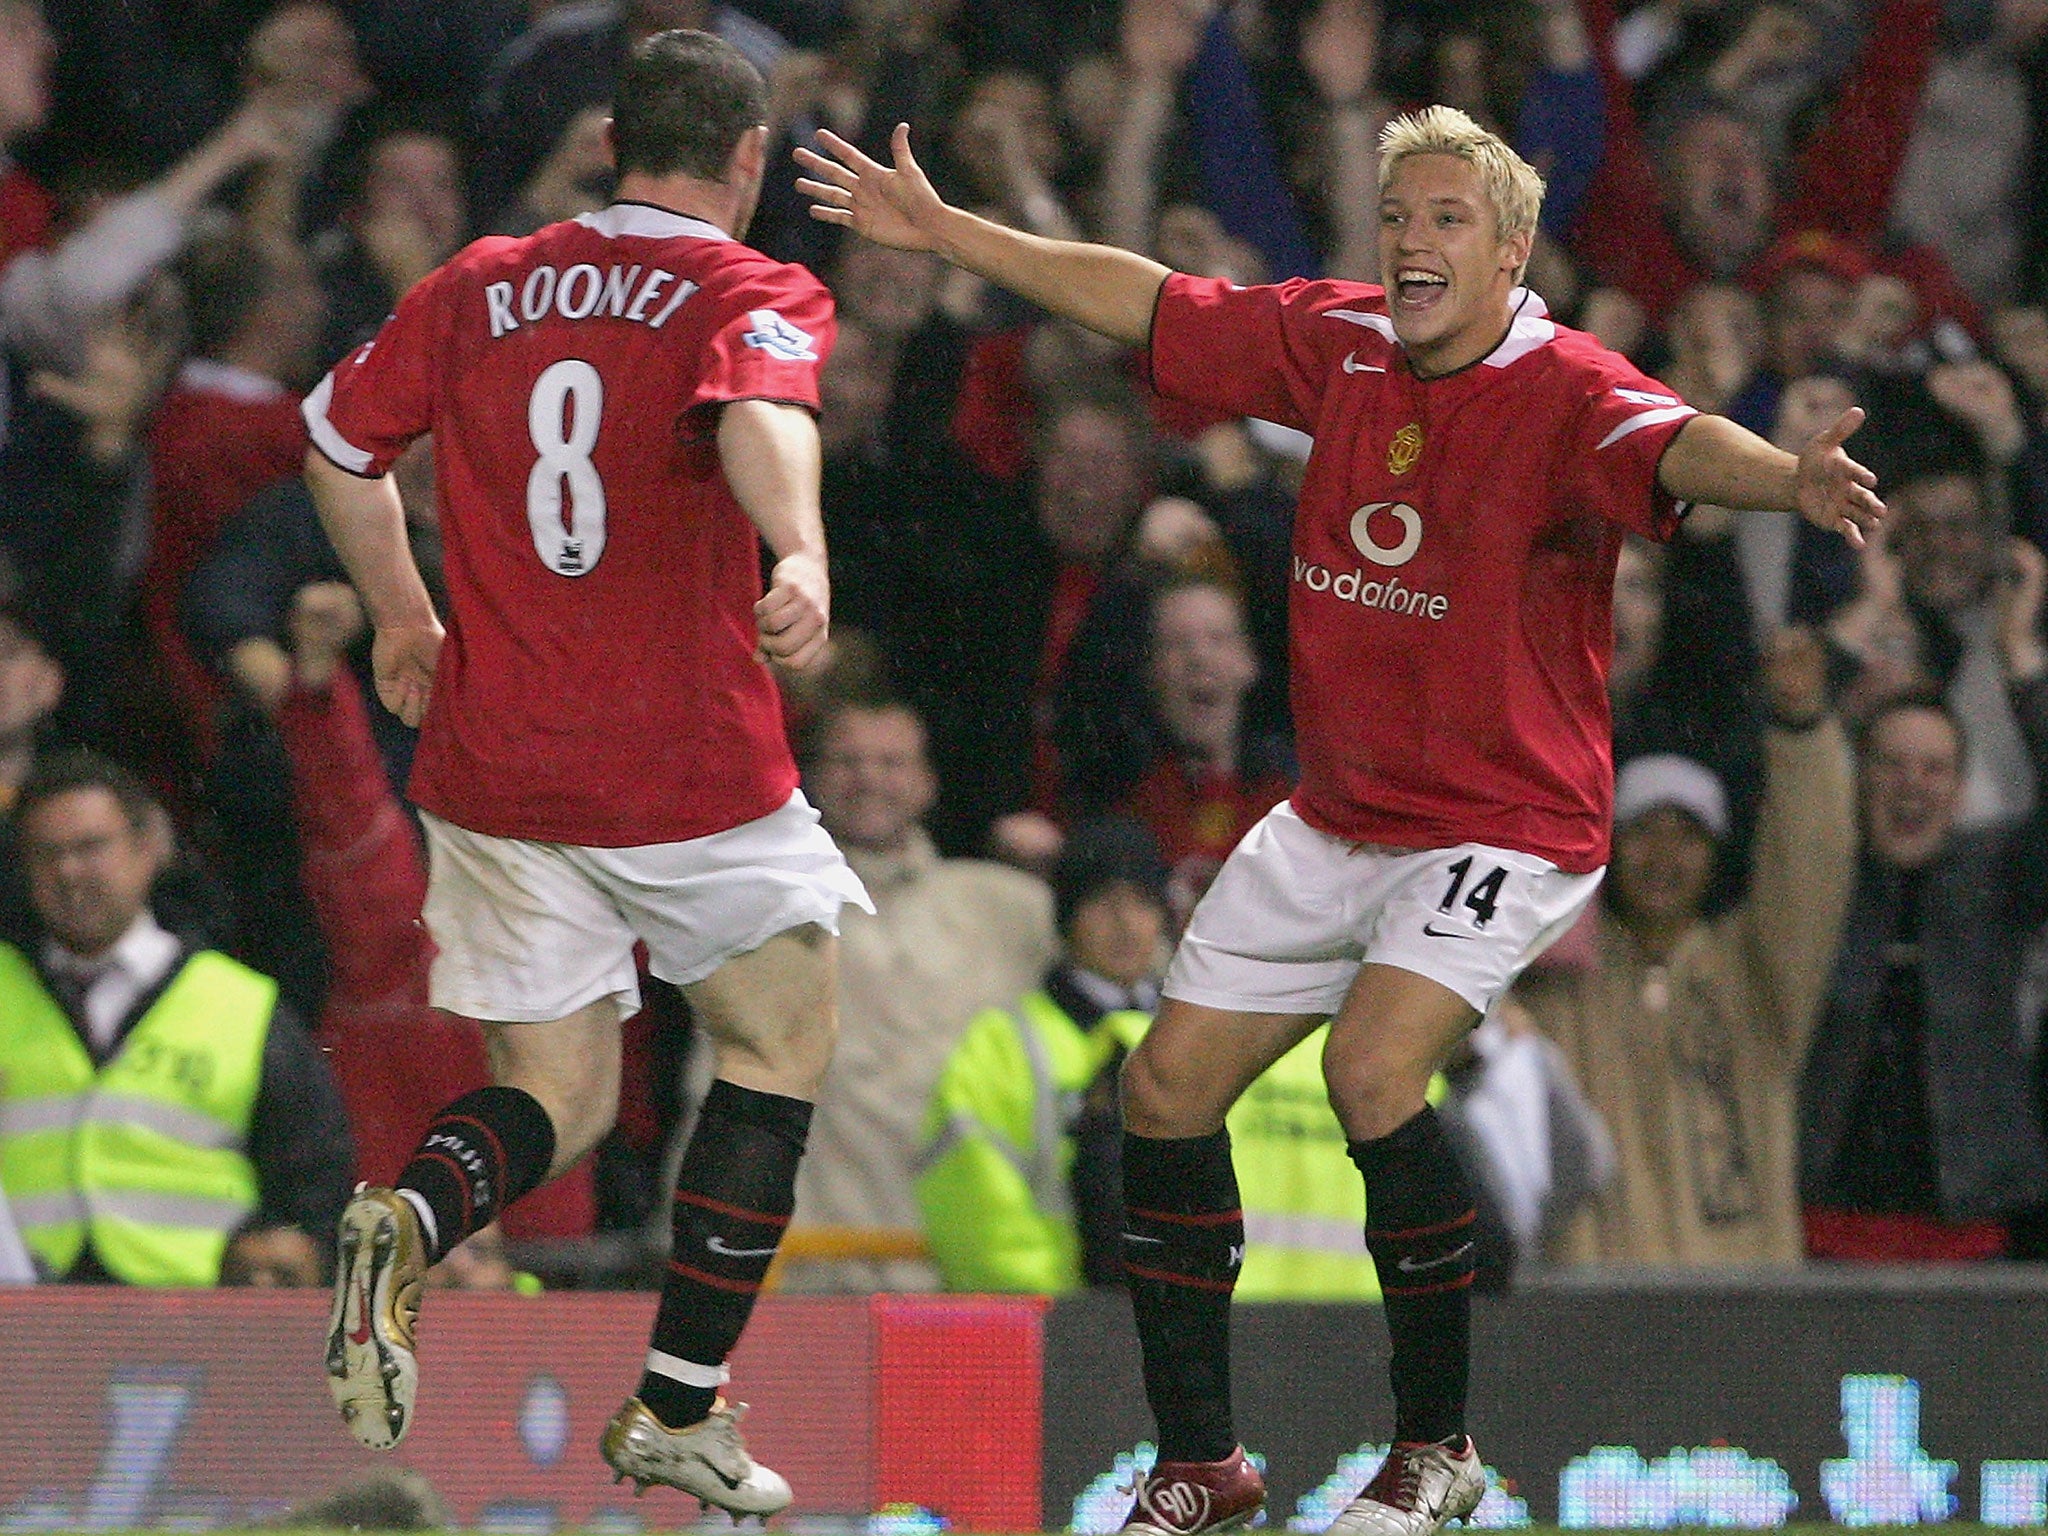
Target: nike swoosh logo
(1133, 1237)
(1443, 933)
(717, 1245)
(360, 1334)
(730, 1482)
(1409, 1266)
(1351, 365)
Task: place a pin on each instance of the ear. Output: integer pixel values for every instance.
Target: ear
(1515, 250)
(611, 141)
(749, 162)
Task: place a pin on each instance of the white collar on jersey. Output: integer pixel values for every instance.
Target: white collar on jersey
(1530, 329)
(646, 220)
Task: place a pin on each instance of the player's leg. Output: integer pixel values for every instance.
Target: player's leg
(1183, 1238)
(1256, 970)
(527, 941)
(1452, 929)
(744, 921)
(771, 1014)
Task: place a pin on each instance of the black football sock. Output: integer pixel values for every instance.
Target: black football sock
(1418, 1227)
(1183, 1242)
(480, 1154)
(734, 1196)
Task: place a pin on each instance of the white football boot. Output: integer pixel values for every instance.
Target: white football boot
(1417, 1491)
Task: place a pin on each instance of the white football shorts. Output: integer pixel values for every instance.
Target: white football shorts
(531, 932)
(1295, 912)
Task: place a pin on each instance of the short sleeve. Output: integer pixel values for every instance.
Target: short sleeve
(375, 401)
(1614, 444)
(1242, 351)
(777, 331)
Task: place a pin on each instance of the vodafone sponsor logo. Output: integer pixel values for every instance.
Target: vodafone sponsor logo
(1370, 525)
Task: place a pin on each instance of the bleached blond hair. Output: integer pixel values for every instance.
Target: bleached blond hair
(1511, 182)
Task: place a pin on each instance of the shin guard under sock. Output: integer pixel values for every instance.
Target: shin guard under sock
(1418, 1228)
(734, 1195)
(1183, 1243)
(480, 1154)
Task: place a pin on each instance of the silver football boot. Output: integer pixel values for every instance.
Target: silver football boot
(707, 1460)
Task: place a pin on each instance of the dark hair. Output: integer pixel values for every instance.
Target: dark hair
(1101, 853)
(350, 160)
(225, 276)
(683, 102)
(1913, 699)
(75, 768)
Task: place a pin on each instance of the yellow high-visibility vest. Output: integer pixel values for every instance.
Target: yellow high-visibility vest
(145, 1156)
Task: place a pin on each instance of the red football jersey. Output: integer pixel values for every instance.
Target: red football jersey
(1454, 551)
(600, 684)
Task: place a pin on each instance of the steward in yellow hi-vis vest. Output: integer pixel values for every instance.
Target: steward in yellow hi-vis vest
(996, 1192)
(143, 1156)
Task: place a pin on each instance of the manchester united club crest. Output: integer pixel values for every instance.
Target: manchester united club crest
(1404, 450)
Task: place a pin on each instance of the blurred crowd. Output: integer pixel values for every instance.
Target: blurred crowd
(1803, 1023)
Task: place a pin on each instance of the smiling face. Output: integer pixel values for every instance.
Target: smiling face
(1447, 270)
(1912, 782)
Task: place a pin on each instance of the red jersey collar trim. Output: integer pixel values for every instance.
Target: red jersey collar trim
(649, 222)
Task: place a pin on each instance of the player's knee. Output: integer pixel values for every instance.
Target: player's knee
(1164, 1097)
(1373, 1096)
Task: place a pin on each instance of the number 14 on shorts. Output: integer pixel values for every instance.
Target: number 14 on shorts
(1481, 899)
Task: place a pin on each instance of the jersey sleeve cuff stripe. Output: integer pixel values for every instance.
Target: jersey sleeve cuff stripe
(330, 442)
(1643, 419)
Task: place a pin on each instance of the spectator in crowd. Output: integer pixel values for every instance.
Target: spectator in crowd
(1707, 203)
(948, 938)
(1919, 1132)
(1176, 751)
(1931, 616)
(107, 244)
(401, 216)
(178, 1102)
(31, 684)
(27, 50)
(1021, 1184)
(1688, 1032)
(1965, 183)
(229, 427)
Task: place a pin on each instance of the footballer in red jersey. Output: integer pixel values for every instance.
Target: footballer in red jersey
(622, 414)
(1474, 470)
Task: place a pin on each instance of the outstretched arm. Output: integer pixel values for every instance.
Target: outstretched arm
(1716, 461)
(1105, 289)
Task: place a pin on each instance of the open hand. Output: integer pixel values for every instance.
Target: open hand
(1835, 492)
(896, 207)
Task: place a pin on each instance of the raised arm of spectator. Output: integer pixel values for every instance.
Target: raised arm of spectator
(1240, 166)
(1340, 50)
(1844, 176)
(1159, 40)
(362, 869)
(2022, 603)
(1108, 290)
(1805, 850)
(1562, 128)
(49, 299)
(1714, 460)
